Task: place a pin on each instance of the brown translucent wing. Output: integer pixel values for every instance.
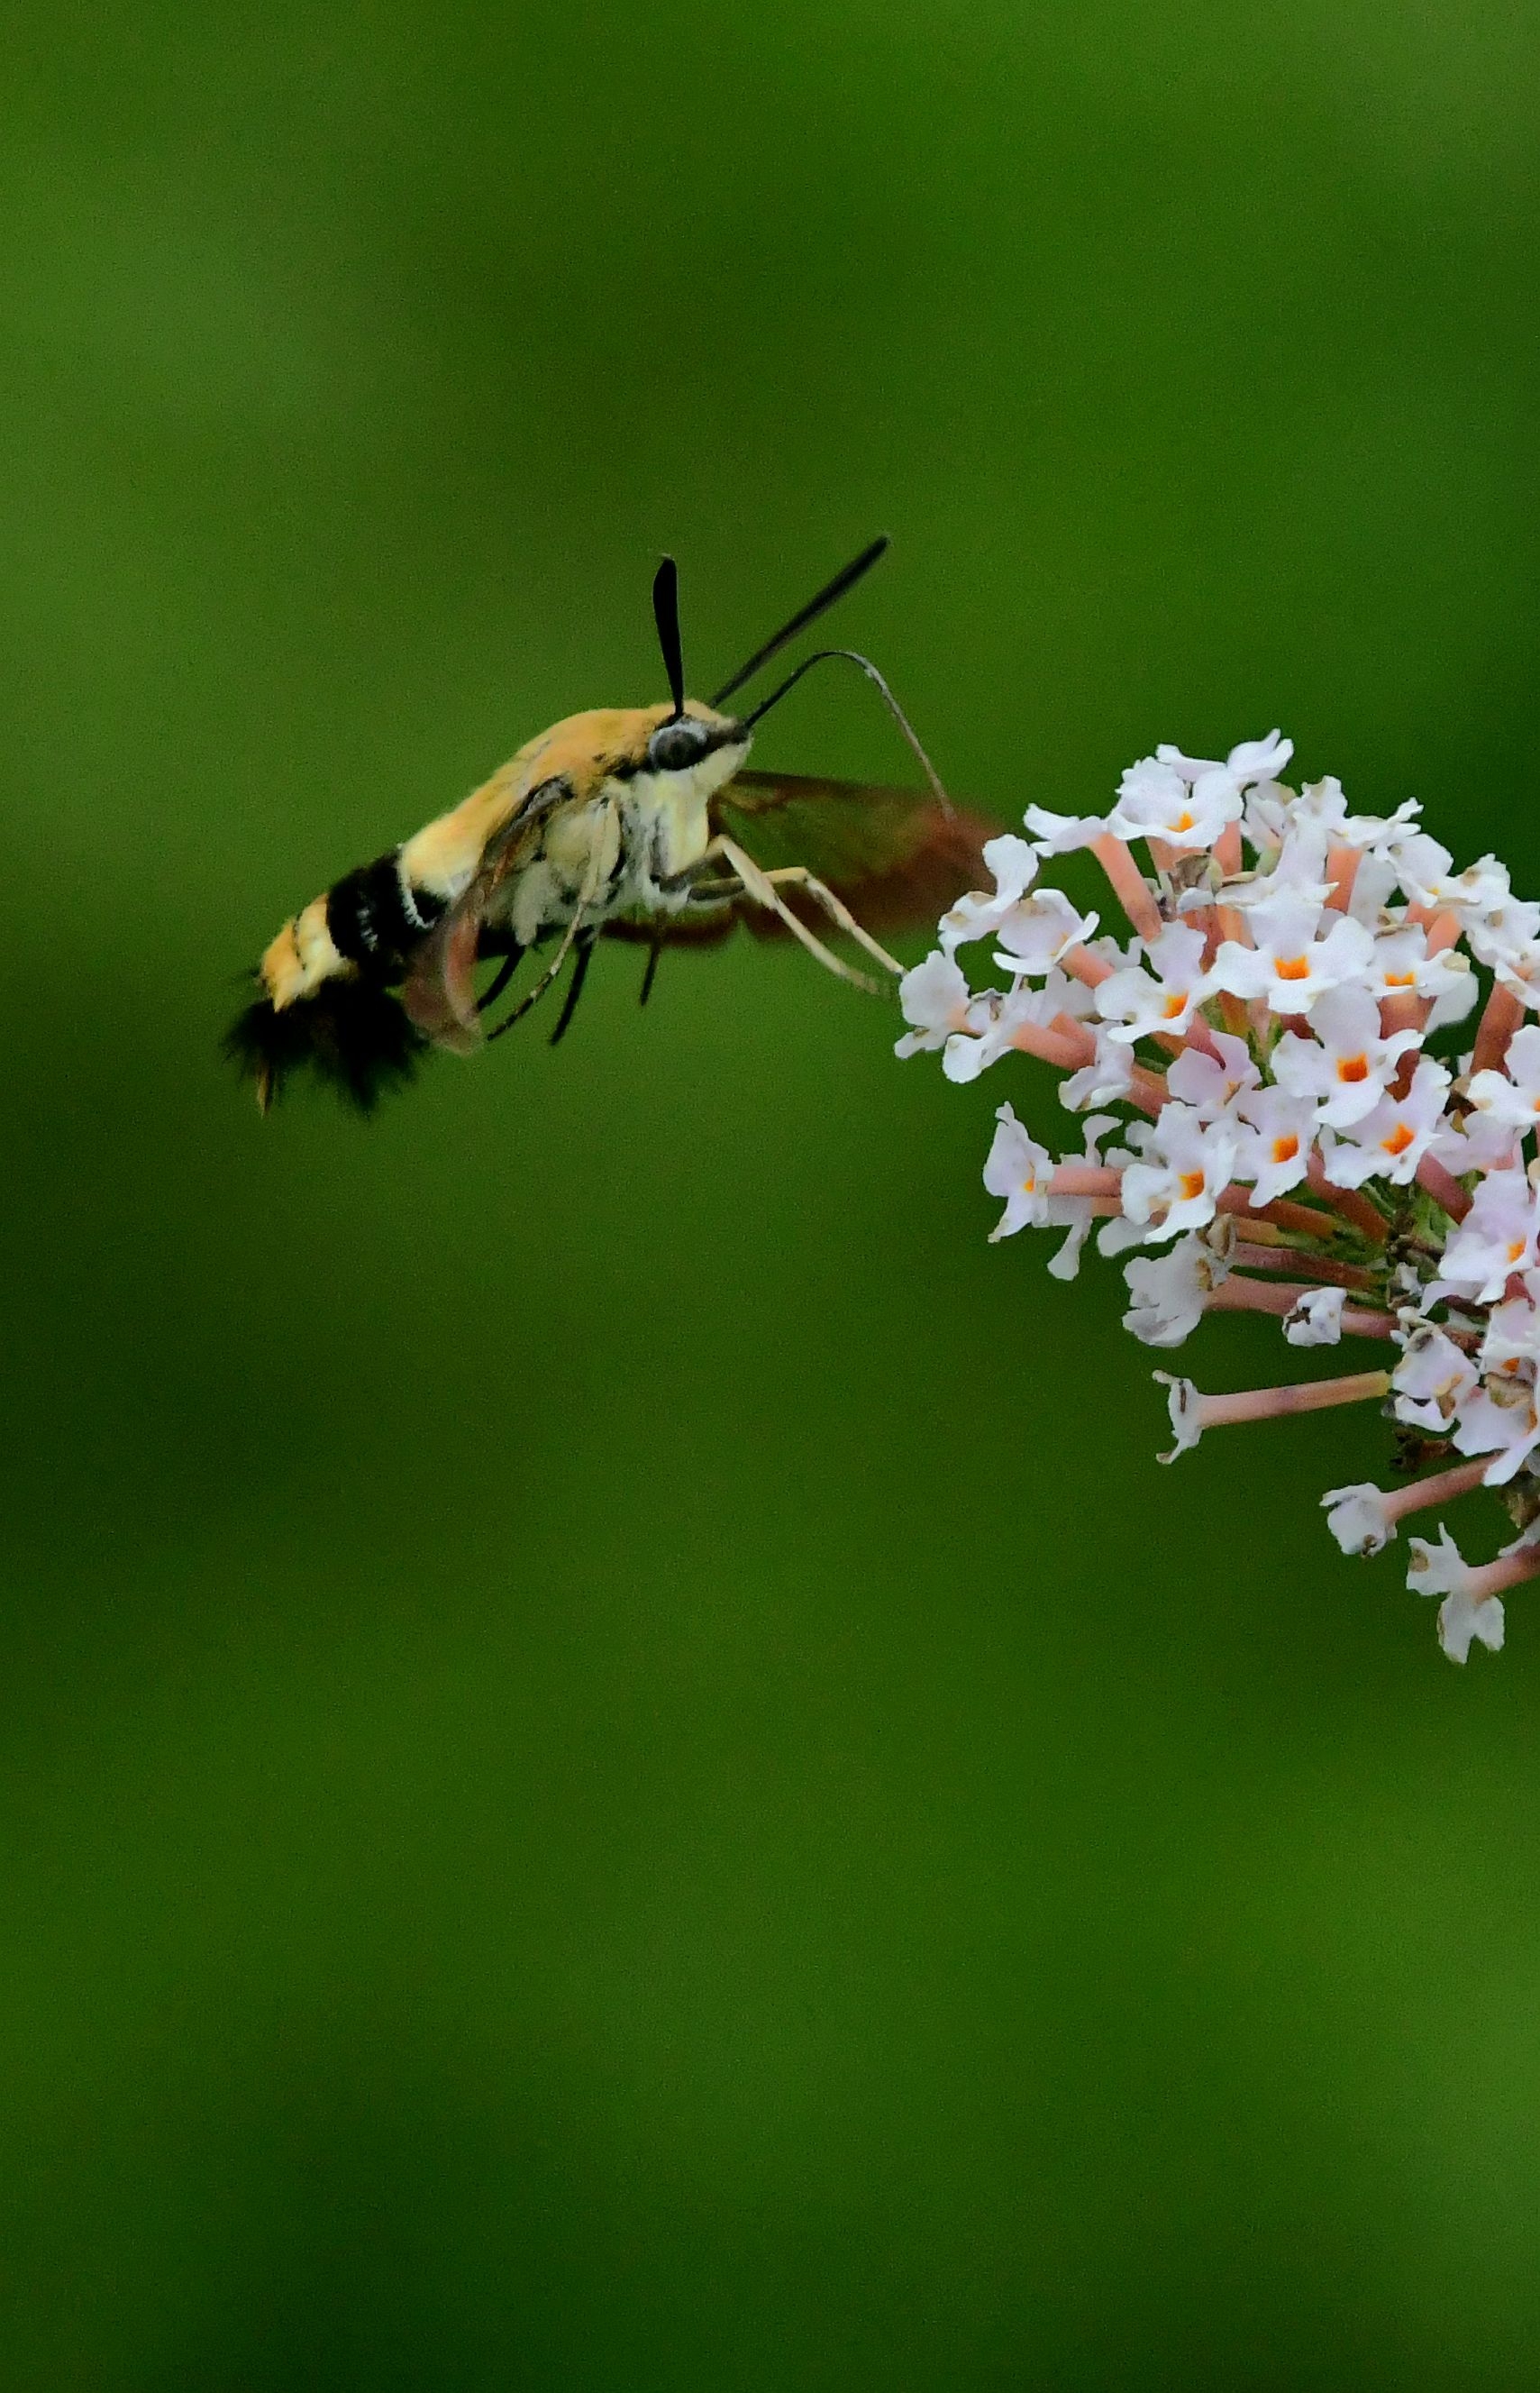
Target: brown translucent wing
(439, 995)
(897, 857)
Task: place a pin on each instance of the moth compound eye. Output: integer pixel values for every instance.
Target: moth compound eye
(676, 746)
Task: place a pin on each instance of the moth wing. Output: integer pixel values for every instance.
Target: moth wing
(897, 857)
(439, 995)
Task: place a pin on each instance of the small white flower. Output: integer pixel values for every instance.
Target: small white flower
(1038, 929)
(1060, 992)
(1427, 872)
(1496, 1238)
(1456, 1001)
(1437, 1569)
(1512, 1096)
(1382, 834)
(1260, 760)
(1520, 972)
(1441, 1570)
(1432, 1381)
(996, 1021)
(937, 1001)
(1299, 829)
(1465, 1619)
(1358, 1519)
(1184, 1167)
(1499, 1417)
(1503, 932)
(1075, 1213)
(1277, 1133)
(1061, 835)
(1211, 1084)
(1169, 1291)
(1513, 1330)
(1020, 1170)
(1374, 886)
(1297, 876)
(1107, 951)
(1316, 1320)
(1253, 760)
(970, 1053)
(1156, 801)
(1141, 1006)
(1270, 810)
(1400, 965)
(1185, 1406)
(1104, 1079)
(1390, 1142)
(1299, 955)
(1479, 1143)
(979, 915)
(1320, 812)
(991, 1022)
(1347, 1065)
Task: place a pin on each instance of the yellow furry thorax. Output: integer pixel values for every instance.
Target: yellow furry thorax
(585, 749)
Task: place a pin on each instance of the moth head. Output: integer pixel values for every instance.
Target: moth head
(681, 743)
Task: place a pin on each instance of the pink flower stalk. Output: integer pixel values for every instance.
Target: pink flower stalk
(1283, 1258)
(1472, 1609)
(1443, 1188)
(1341, 873)
(1283, 1116)
(1356, 1208)
(1193, 1413)
(1129, 886)
(1364, 1519)
(1501, 1018)
(1283, 1298)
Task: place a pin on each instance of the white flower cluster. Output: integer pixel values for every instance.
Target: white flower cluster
(1266, 1130)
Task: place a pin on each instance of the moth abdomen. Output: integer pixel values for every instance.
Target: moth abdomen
(353, 1034)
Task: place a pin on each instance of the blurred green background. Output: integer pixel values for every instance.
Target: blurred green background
(620, 1769)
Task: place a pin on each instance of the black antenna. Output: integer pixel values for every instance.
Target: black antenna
(665, 611)
(904, 725)
(809, 614)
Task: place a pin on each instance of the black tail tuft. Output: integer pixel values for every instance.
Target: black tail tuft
(354, 1036)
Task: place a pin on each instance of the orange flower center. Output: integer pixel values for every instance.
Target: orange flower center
(1293, 968)
(1353, 1068)
(1173, 1007)
(1192, 1184)
(1285, 1149)
(1184, 823)
(1399, 1141)
(1400, 980)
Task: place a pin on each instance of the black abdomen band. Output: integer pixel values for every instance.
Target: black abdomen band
(374, 920)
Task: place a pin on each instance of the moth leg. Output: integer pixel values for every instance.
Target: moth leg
(586, 895)
(537, 989)
(582, 956)
(799, 877)
(760, 885)
(503, 975)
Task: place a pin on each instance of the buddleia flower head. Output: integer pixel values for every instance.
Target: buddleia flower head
(1280, 1138)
